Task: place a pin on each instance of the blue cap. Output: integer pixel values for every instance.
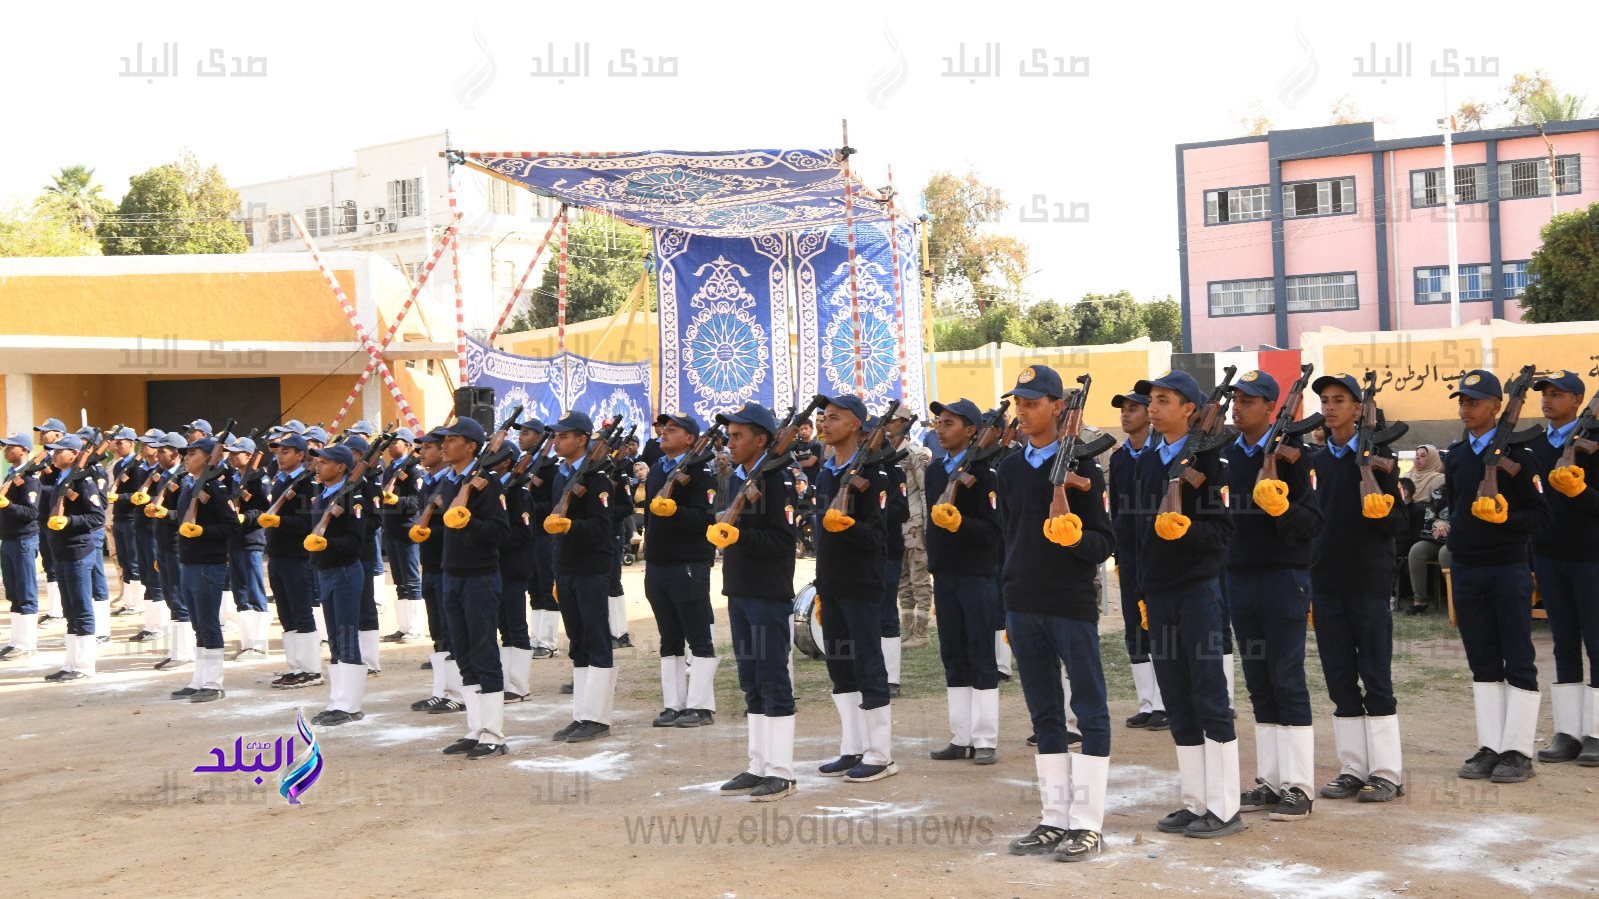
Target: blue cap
(173, 440)
(682, 420)
(338, 452)
(753, 414)
(67, 442)
(123, 433)
(406, 434)
(291, 441)
(962, 407)
(51, 424)
(1345, 381)
(506, 453)
(152, 437)
(1180, 381)
(316, 434)
(201, 425)
(1257, 383)
(434, 436)
(204, 445)
(470, 428)
(1562, 380)
(851, 404)
(357, 444)
(362, 427)
(1479, 384)
(573, 420)
(242, 445)
(1037, 381)
(1122, 399)
(531, 423)
(18, 439)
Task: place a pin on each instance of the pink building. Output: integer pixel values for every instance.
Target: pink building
(1292, 230)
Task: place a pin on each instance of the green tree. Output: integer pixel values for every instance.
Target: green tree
(1552, 107)
(43, 230)
(1563, 274)
(72, 191)
(176, 208)
(1164, 321)
(969, 263)
(604, 261)
(1108, 318)
(1050, 324)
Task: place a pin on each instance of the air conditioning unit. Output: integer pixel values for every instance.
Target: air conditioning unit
(378, 228)
(380, 212)
(393, 227)
(366, 216)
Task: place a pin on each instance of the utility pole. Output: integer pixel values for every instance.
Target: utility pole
(1554, 180)
(1447, 123)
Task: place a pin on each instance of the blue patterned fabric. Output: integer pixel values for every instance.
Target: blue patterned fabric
(547, 386)
(724, 322)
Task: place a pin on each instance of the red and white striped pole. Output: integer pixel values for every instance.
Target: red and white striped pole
(899, 294)
(460, 301)
(537, 255)
(854, 294)
(560, 307)
(361, 334)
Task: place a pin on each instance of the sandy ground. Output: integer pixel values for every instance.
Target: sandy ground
(99, 797)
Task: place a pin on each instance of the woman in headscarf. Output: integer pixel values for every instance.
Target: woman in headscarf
(1428, 474)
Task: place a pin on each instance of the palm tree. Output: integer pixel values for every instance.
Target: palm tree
(72, 191)
(1548, 106)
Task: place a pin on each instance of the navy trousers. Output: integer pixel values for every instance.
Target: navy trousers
(293, 586)
(1187, 629)
(472, 605)
(1268, 607)
(18, 572)
(202, 593)
(340, 589)
(585, 613)
(1493, 604)
(1570, 591)
(1355, 640)
(852, 644)
(965, 606)
(761, 648)
(1040, 645)
(680, 596)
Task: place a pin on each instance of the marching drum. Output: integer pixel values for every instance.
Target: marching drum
(808, 622)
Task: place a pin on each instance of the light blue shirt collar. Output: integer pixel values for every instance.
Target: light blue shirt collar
(1036, 456)
(1170, 451)
(330, 489)
(744, 475)
(953, 462)
(1559, 436)
(1136, 451)
(670, 462)
(1254, 449)
(846, 464)
(1478, 444)
(1339, 450)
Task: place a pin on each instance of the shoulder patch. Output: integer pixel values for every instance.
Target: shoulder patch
(605, 500)
(356, 510)
(1537, 483)
(788, 512)
(33, 497)
(710, 496)
(993, 500)
(1312, 478)
(94, 500)
(1226, 496)
(502, 502)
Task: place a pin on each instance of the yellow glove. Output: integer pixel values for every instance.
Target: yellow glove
(1376, 505)
(1171, 525)
(721, 535)
(1064, 530)
(190, 529)
(419, 534)
(155, 512)
(241, 518)
(1492, 509)
(1271, 495)
(835, 521)
(391, 499)
(1143, 615)
(664, 506)
(112, 497)
(57, 522)
(268, 520)
(4, 501)
(555, 524)
(1310, 616)
(315, 543)
(1569, 480)
(457, 517)
(946, 516)
(140, 498)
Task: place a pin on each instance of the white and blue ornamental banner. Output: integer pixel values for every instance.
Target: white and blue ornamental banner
(547, 386)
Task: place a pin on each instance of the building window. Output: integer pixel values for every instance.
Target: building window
(502, 199)
(319, 221)
(405, 198)
(1251, 297)
(1237, 204)
(1476, 282)
(1523, 178)
(1513, 278)
(1332, 197)
(1322, 293)
(347, 220)
(1427, 186)
(279, 228)
(249, 231)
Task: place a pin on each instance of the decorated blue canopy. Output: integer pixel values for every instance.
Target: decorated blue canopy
(735, 193)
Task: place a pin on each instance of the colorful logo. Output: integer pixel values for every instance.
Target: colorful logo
(1027, 375)
(297, 776)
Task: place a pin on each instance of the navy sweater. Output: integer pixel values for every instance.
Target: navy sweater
(250, 535)
(1259, 540)
(216, 516)
(586, 548)
(761, 564)
(21, 518)
(895, 514)
(849, 564)
(475, 549)
(407, 477)
(1477, 542)
(85, 515)
(1046, 578)
(1573, 531)
(431, 550)
(680, 538)
(345, 532)
(1353, 555)
(515, 559)
(1122, 489)
(287, 540)
(1168, 565)
(126, 475)
(974, 549)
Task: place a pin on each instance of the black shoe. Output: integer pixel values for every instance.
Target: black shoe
(102, 640)
(864, 773)
(1416, 610)
(184, 693)
(952, 753)
(773, 789)
(144, 637)
(515, 697)
(1589, 757)
(123, 610)
(985, 757)
(561, 735)
(427, 665)
(396, 637)
(1079, 845)
(666, 718)
(1380, 789)
(588, 730)
(1158, 721)
(9, 653)
(446, 707)
(486, 750)
(1071, 737)
(207, 695)
(374, 672)
(1295, 805)
(1513, 768)
(623, 642)
(1176, 822)
(64, 676)
(840, 766)
(422, 705)
(695, 718)
(460, 747)
(1209, 827)
(543, 652)
(1480, 766)
(169, 662)
(46, 619)
(285, 681)
(1042, 840)
(566, 689)
(331, 717)
(893, 691)
(1261, 799)
(1563, 748)
(741, 784)
(1004, 676)
(1344, 786)
(1032, 740)
(1139, 720)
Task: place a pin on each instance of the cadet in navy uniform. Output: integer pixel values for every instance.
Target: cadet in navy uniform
(180, 630)
(403, 556)
(1052, 617)
(1179, 567)
(849, 586)
(1566, 557)
(1267, 584)
(1492, 585)
(157, 615)
(583, 546)
(963, 556)
(471, 587)
(545, 632)
(677, 576)
(1134, 409)
(72, 546)
(516, 650)
(336, 557)
(1353, 560)
(19, 543)
(448, 692)
(367, 491)
(624, 483)
(758, 580)
(895, 514)
(49, 431)
(203, 561)
(245, 549)
(100, 589)
(125, 476)
(289, 568)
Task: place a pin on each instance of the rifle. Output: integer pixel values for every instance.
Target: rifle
(252, 471)
(605, 443)
(316, 541)
(458, 519)
(215, 467)
(421, 527)
(1063, 474)
(79, 471)
(271, 517)
(1207, 430)
(1370, 439)
(981, 448)
(701, 451)
(869, 454)
(21, 472)
(1285, 426)
(778, 456)
(533, 462)
(1494, 459)
(1585, 436)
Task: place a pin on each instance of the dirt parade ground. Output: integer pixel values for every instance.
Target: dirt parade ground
(100, 796)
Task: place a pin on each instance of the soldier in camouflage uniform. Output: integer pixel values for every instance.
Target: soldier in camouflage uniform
(915, 583)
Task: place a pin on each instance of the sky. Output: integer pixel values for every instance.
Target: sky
(1097, 145)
